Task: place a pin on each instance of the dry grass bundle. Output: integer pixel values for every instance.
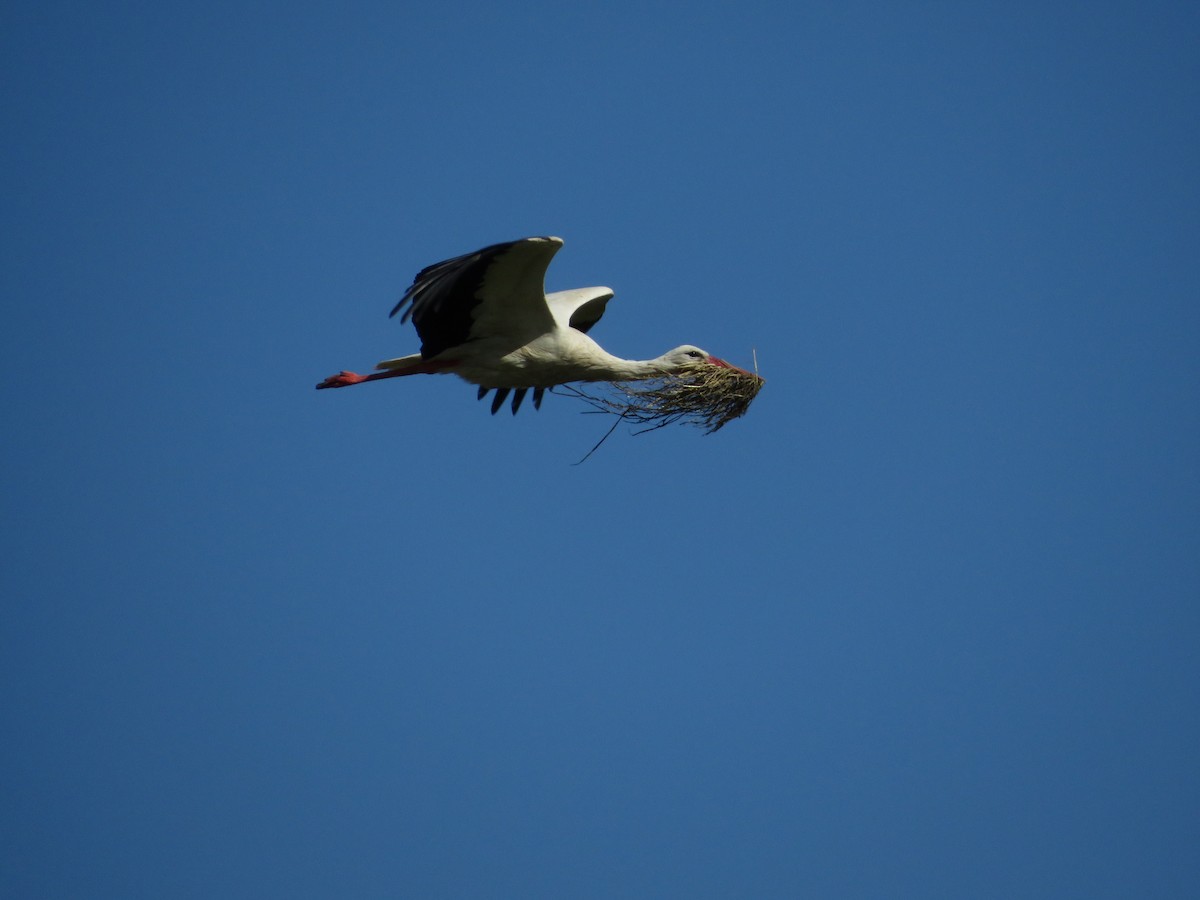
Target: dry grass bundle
(706, 396)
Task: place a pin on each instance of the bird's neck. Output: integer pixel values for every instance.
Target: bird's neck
(636, 369)
(591, 362)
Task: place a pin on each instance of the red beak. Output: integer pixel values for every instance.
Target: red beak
(716, 361)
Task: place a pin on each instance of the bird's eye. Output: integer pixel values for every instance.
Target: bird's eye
(694, 354)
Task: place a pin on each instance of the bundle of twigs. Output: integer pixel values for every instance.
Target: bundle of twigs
(706, 396)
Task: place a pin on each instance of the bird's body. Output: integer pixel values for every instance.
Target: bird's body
(485, 317)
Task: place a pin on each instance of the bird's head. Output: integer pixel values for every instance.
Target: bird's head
(688, 357)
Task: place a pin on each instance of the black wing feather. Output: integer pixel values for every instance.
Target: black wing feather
(442, 299)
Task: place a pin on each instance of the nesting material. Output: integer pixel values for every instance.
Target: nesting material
(706, 396)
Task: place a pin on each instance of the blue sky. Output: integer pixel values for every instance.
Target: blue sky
(924, 623)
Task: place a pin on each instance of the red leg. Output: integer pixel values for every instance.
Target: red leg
(345, 379)
(341, 379)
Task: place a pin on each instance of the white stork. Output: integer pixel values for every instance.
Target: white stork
(485, 317)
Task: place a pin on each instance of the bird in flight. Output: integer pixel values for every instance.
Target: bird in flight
(485, 317)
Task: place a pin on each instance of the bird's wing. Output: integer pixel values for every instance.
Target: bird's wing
(580, 308)
(498, 291)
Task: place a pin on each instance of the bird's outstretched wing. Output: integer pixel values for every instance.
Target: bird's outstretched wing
(498, 291)
(580, 308)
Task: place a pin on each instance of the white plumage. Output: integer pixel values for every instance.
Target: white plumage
(485, 317)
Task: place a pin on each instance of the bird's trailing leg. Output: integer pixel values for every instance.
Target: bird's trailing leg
(345, 379)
